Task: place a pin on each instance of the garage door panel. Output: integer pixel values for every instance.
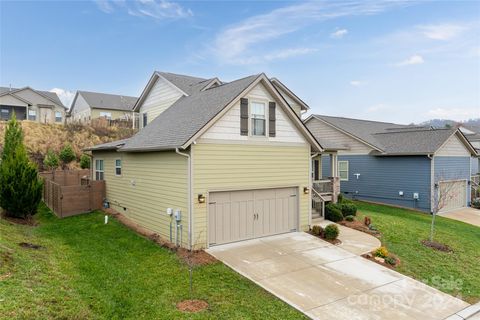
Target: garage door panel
(452, 195)
(241, 215)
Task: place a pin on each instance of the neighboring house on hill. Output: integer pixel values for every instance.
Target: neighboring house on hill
(473, 135)
(401, 165)
(87, 106)
(30, 104)
(233, 157)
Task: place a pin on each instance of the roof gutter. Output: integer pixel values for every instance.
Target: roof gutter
(190, 206)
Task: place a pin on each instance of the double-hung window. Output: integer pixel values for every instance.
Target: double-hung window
(58, 116)
(118, 167)
(32, 115)
(4, 113)
(257, 116)
(343, 170)
(99, 172)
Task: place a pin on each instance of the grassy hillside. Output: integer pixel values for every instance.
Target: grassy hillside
(39, 138)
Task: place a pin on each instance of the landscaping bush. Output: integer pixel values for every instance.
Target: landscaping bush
(381, 252)
(340, 198)
(476, 203)
(390, 260)
(20, 186)
(331, 232)
(317, 230)
(51, 160)
(67, 155)
(350, 218)
(85, 161)
(348, 209)
(333, 212)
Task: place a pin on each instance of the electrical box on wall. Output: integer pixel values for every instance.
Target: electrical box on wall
(169, 211)
(400, 193)
(178, 215)
(416, 196)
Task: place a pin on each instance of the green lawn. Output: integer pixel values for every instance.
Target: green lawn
(402, 230)
(89, 270)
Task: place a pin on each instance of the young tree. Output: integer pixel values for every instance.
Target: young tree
(85, 161)
(67, 155)
(51, 160)
(441, 195)
(20, 186)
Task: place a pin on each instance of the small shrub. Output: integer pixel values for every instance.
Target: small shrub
(67, 155)
(340, 198)
(51, 160)
(381, 252)
(476, 203)
(331, 232)
(372, 227)
(348, 209)
(85, 161)
(317, 230)
(333, 212)
(350, 218)
(390, 260)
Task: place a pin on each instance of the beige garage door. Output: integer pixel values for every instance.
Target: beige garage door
(452, 195)
(241, 215)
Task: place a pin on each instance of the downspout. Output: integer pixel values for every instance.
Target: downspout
(190, 207)
(311, 187)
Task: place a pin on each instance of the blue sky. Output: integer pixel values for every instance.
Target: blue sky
(398, 61)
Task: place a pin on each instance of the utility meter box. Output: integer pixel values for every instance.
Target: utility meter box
(416, 196)
(169, 212)
(178, 215)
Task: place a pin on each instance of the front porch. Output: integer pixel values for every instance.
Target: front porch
(325, 188)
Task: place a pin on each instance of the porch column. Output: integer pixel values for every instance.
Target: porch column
(333, 165)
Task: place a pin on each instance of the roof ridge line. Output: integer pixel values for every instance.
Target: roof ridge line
(356, 119)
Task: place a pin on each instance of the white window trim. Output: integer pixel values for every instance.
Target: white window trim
(96, 169)
(250, 126)
(116, 167)
(34, 114)
(61, 116)
(347, 170)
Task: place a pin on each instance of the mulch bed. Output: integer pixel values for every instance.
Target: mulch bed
(193, 258)
(437, 246)
(192, 305)
(28, 245)
(334, 241)
(360, 226)
(371, 257)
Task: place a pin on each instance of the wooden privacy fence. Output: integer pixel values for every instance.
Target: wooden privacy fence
(67, 193)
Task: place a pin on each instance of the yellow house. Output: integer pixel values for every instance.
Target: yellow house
(215, 162)
(87, 106)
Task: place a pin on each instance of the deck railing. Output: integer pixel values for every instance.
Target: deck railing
(323, 186)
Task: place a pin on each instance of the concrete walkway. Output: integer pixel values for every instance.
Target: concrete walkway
(327, 282)
(467, 215)
(354, 241)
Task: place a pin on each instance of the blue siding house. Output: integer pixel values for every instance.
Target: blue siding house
(410, 166)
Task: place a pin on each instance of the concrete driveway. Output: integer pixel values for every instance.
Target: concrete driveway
(467, 215)
(327, 282)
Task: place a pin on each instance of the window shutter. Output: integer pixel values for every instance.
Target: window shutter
(316, 170)
(271, 119)
(244, 117)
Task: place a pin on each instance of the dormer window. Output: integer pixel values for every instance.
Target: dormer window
(257, 116)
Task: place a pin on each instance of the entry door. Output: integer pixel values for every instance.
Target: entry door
(242, 215)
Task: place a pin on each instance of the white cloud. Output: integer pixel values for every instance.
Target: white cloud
(241, 41)
(441, 31)
(415, 59)
(357, 83)
(156, 9)
(66, 96)
(338, 34)
(456, 114)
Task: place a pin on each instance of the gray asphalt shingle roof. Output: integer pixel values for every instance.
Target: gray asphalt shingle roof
(176, 125)
(393, 138)
(187, 84)
(52, 95)
(107, 146)
(100, 100)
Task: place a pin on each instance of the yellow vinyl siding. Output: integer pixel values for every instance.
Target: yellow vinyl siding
(239, 166)
(150, 183)
(116, 114)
